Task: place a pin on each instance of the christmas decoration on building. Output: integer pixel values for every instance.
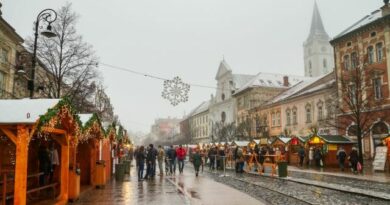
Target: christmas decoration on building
(176, 91)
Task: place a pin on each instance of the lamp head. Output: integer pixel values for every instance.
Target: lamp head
(20, 70)
(48, 32)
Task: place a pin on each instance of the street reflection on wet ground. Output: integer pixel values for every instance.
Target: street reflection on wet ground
(167, 190)
(156, 191)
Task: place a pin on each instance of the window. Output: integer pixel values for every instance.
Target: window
(278, 119)
(310, 69)
(379, 52)
(377, 88)
(373, 34)
(346, 62)
(288, 117)
(352, 94)
(223, 116)
(223, 97)
(273, 119)
(294, 116)
(320, 113)
(308, 113)
(349, 44)
(4, 56)
(1, 82)
(354, 60)
(325, 63)
(370, 54)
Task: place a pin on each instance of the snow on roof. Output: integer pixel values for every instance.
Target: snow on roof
(24, 110)
(204, 106)
(240, 80)
(317, 88)
(285, 140)
(377, 14)
(241, 143)
(293, 90)
(84, 118)
(271, 80)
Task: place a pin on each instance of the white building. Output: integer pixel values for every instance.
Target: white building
(223, 106)
(200, 126)
(318, 53)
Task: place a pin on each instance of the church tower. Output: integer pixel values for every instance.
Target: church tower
(318, 53)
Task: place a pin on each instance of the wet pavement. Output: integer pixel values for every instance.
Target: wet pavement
(181, 189)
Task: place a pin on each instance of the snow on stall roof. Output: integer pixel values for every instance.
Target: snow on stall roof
(241, 143)
(24, 110)
(271, 80)
(85, 117)
(377, 14)
(285, 140)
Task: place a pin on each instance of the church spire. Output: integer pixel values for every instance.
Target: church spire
(317, 27)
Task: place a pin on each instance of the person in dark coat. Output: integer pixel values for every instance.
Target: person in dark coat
(171, 154)
(354, 158)
(341, 155)
(262, 154)
(212, 156)
(197, 161)
(140, 159)
(301, 154)
(151, 162)
(44, 163)
(318, 157)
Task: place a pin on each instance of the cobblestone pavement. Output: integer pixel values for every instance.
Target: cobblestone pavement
(353, 182)
(279, 191)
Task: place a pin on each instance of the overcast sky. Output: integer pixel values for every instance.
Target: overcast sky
(188, 39)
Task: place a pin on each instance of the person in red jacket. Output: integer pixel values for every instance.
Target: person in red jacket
(181, 155)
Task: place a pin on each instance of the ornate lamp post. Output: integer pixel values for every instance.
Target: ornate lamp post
(48, 16)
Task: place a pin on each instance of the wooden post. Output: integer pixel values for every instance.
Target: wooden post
(64, 169)
(20, 187)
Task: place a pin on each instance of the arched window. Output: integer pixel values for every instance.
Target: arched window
(379, 52)
(308, 113)
(294, 116)
(288, 117)
(354, 60)
(346, 62)
(370, 54)
(223, 116)
(325, 63)
(320, 107)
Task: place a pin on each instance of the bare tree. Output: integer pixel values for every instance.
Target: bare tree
(71, 62)
(357, 100)
(244, 129)
(230, 131)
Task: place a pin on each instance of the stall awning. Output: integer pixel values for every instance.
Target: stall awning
(330, 139)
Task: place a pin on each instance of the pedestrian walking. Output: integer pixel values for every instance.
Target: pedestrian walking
(212, 157)
(311, 156)
(171, 154)
(301, 154)
(318, 157)
(140, 161)
(353, 159)
(241, 160)
(197, 161)
(160, 159)
(181, 155)
(151, 159)
(341, 155)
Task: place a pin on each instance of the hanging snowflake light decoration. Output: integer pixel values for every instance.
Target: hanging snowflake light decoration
(176, 91)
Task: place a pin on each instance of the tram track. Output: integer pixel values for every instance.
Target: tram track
(280, 191)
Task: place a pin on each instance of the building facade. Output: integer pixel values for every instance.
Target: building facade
(200, 125)
(362, 67)
(318, 53)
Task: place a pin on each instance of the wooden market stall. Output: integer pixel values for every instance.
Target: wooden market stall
(280, 145)
(328, 145)
(31, 125)
(294, 145)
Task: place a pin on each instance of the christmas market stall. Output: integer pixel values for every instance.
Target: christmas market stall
(280, 145)
(108, 151)
(328, 146)
(90, 151)
(294, 145)
(37, 134)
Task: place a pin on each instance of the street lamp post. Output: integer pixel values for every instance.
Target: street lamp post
(49, 16)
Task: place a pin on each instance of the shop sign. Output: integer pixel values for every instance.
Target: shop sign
(332, 147)
(380, 158)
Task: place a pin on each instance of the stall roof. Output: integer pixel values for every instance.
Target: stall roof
(241, 143)
(303, 138)
(336, 139)
(24, 111)
(284, 139)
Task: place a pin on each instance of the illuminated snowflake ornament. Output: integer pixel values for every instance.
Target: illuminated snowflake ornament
(176, 91)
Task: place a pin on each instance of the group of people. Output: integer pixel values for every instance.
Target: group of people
(150, 155)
